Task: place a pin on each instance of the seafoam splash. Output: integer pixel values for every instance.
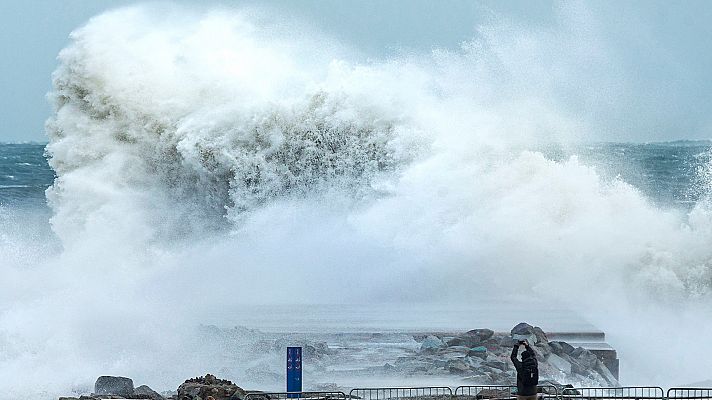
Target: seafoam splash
(213, 160)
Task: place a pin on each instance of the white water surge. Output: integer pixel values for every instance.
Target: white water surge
(214, 160)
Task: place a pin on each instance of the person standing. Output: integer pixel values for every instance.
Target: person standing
(527, 371)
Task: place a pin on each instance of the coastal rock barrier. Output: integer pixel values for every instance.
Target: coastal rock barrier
(482, 356)
(476, 357)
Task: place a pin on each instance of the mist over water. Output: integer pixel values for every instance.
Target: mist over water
(215, 160)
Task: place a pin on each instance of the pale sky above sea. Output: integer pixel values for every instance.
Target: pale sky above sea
(659, 52)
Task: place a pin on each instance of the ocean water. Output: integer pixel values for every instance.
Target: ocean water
(670, 174)
(24, 175)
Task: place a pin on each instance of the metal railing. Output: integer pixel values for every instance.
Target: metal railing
(625, 392)
(296, 395)
(501, 391)
(689, 393)
(494, 392)
(395, 393)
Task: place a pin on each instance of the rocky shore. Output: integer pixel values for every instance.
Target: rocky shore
(476, 357)
(481, 356)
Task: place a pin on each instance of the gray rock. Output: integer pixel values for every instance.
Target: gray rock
(465, 341)
(542, 349)
(532, 334)
(499, 378)
(507, 341)
(559, 363)
(144, 390)
(475, 363)
(458, 367)
(455, 349)
(577, 352)
(606, 373)
(522, 328)
(540, 335)
(524, 331)
(579, 369)
(496, 365)
(114, 385)
(431, 344)
(479, 351)
(482, 334)
(209, 385)
(561, 347)
(584, 357)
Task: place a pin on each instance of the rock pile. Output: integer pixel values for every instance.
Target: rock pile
(481, 356)
(206, 387)
(209, 387)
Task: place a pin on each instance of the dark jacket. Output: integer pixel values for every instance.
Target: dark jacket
(521, 389)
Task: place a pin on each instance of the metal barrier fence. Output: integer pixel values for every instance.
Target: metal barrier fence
(296, 395)
(501, 391)
(625, 392)
(411, 393)
(689, 393)
(495, 392)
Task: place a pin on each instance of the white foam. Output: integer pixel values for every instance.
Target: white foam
(163, 119)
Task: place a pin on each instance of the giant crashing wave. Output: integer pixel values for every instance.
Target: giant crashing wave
(161, 132)
(202, 141)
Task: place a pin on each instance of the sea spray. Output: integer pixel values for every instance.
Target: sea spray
(210, 160)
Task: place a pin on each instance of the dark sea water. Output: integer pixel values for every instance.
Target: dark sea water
(672, 174)
(24, 175)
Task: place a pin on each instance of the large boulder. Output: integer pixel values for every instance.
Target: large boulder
(584, 357)
(561, 348)
(473, 338)
(482, 334)
(540, 336)
(500, 365)
(457, 350)
(146, 392)
(523, 331)
(114, 385)
(559, 363)
(464, 341)
(201, 387)
(479, 351)
(532, 334)
(506, 341)
(458, 367)
(606, 374)
(431, 343)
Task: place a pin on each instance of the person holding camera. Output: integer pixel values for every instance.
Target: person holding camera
(527, 371)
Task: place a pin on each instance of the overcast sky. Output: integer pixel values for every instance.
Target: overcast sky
(663, 52)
